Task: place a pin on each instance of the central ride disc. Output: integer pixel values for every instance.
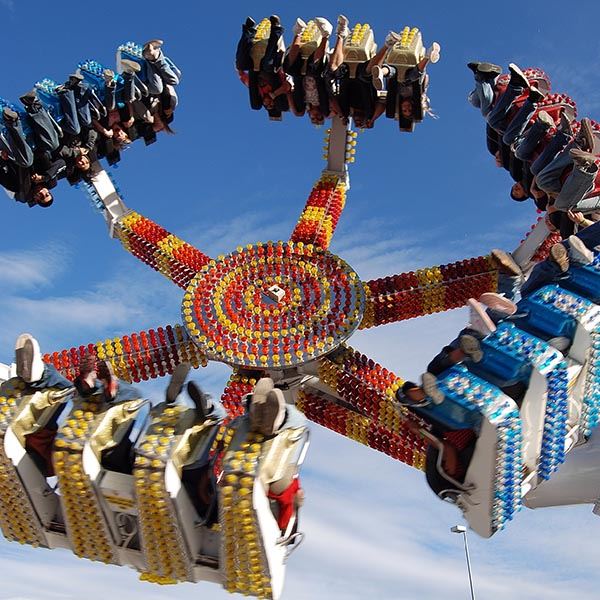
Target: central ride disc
(273, 305)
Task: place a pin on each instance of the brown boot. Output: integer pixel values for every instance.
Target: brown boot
(581, 158)
(585, 138)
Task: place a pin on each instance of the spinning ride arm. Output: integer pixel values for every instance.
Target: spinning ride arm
(135, 357)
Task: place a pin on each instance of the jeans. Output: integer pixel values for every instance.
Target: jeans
(273, 58)
(46, 130)
(482, 96)
(579, 184)
(526, 143)
(159, 73)
(519, 122)
(18, 148)
(70, 121)
(548, 179)
(51, 378)
(548, 271)
(243, 60)
(498, 115)
(555, 145)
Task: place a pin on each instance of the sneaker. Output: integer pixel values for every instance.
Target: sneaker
(178, 378)
(431, 389)
(517, 77)
(378, 77)
(565, 124)
(479, 320)
(498, 303)
(391, 39)
(202, 401)
(275, 21)
(152, 50)
(108, 379)
(28, 357)
(559, 254)
(486, 68)
(585, 138)
(342, 28)
(504, 261)
(130, 66)
(545, 118)
(471, 347)
(267, 407)
(10, 116)
(29, 99)
(299, 27)
(325, 27)
(474, 66)
(109, 77)
(582, 158)
(579, 252)
(433, 53)
(536, 95)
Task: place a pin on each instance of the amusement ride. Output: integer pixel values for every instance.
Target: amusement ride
(286, 309)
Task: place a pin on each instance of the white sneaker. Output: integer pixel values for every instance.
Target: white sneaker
(578, 251)
(498, 302)
(471, 347)
(391, 38)
(267, 407)
(342, 28)
(325, 27)
(433, 53)
(30, 366)
(299, 26)
(377, 77)
(479, 319)
(431, 389)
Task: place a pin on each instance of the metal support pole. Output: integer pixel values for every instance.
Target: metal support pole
(469, 565)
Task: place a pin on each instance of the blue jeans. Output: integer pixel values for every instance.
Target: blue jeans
(46, 130)
(243, 60)
(555, 145)
(70, 121)
(548, 179)
(548, 271)
(519, 122)
(16, 144)
(482, 97)
(526, 143)
(51, 379)
(159, 73)
(579, 184)
(498, 115)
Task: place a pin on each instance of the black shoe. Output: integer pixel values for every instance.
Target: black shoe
(202, 401)
(474, 66)
(536, 95)
(517, 77)
(250, 23)
(10, 116)
(275, 21)
(177, 380)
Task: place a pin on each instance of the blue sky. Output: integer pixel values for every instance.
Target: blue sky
(230, 176)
